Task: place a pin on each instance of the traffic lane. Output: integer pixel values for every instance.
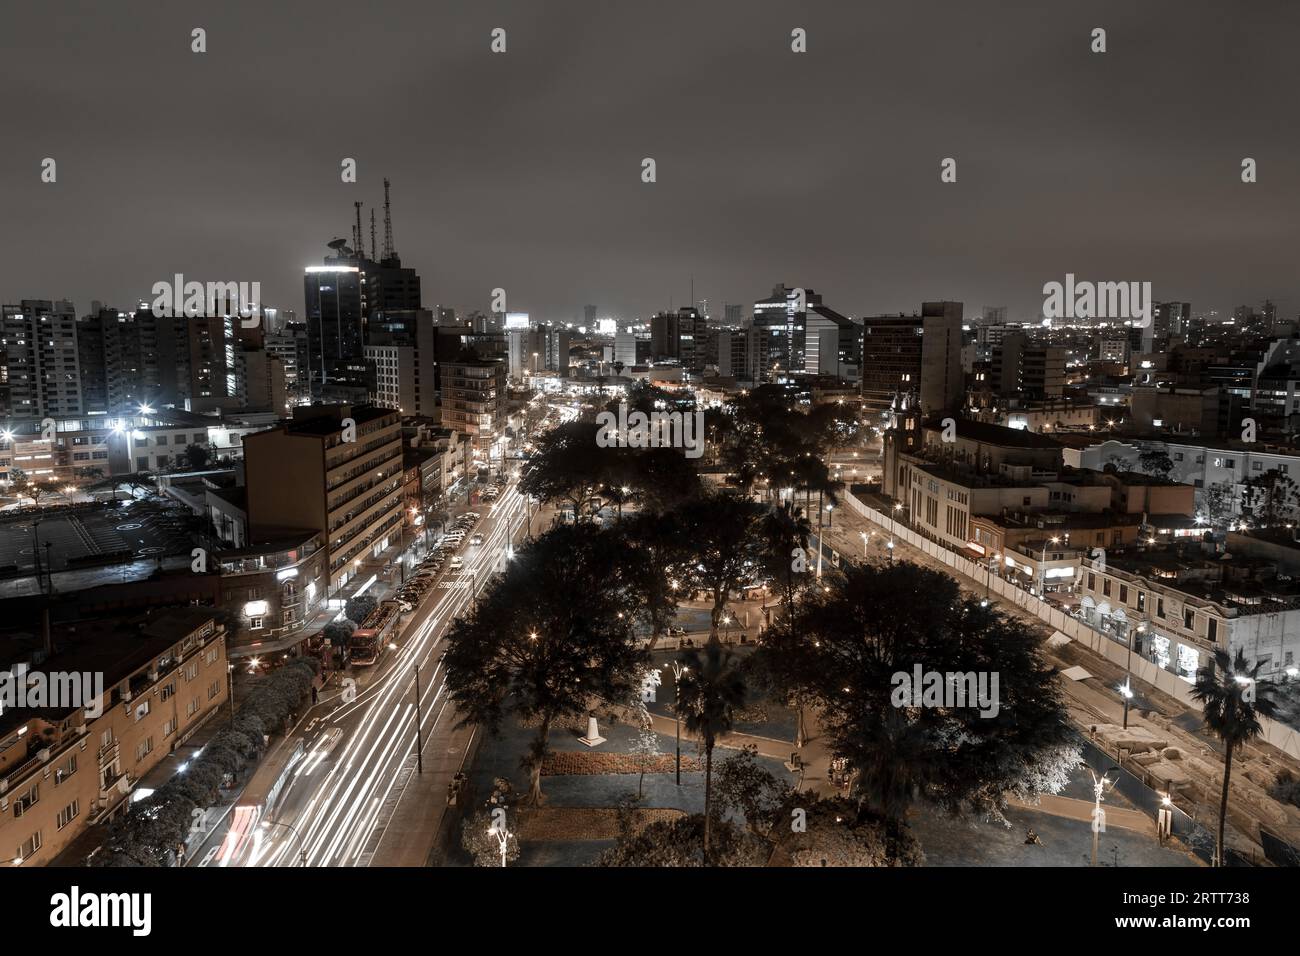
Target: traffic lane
(386, 735)
(356, 719)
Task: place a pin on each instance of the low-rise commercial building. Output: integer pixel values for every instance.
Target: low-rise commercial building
(1179, 605)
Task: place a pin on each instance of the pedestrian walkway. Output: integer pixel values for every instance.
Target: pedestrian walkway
(1075, 809)
(814, 755)
(411, 834)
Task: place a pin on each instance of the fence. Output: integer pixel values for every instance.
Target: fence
(1132, 784)
(1281, 736)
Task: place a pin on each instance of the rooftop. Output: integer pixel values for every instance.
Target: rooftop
(989, 434)
(115, 647)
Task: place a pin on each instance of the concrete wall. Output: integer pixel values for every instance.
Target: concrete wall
(1285, 738)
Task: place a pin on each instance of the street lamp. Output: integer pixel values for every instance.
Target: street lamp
(1042, 567)
(302, 853)
(1126, 690)
(503, 838)
(230, 690)
(866, 536)
(1098, 817)
(678, 670)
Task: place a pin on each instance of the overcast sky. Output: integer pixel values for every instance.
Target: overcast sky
(523, 170)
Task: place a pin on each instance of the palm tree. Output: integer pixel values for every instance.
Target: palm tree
(710, 692)
(783, 529)
(1232, 698)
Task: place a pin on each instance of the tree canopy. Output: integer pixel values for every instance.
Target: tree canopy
(552, 635)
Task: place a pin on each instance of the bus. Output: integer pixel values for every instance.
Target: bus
(258, 801)
(371, 638)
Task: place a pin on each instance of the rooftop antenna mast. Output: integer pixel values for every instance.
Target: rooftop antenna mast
(388, 226)
(372, 233)
(356, 233)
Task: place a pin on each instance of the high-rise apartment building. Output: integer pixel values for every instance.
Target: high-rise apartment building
(39, 338)
(474, 399)
(625, 348)
(160, 346)
(109, 365)
(290, 347)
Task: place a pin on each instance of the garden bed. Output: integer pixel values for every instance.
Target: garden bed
(566, 762)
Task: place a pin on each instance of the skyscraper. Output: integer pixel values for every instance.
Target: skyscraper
(678, 335)
(336, 312)
(341, 296)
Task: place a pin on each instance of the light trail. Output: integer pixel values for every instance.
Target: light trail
(340, 809)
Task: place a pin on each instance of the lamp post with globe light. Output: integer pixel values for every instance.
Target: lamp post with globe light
(1099, 787)
(678, 670)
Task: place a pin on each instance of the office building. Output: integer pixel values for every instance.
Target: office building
(911, 362)
(336, 469)
(1027, 370)
(678, 335)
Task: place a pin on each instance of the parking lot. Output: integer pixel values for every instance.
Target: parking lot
(143, 528)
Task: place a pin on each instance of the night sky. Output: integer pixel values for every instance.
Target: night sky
(522, 170)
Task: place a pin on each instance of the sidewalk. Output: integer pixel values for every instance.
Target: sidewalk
(411, 835)
(1075, 809)
(816, 758)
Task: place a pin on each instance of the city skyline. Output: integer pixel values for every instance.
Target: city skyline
(595, 436)
(523, 173)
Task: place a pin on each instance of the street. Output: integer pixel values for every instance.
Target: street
(339, 800)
